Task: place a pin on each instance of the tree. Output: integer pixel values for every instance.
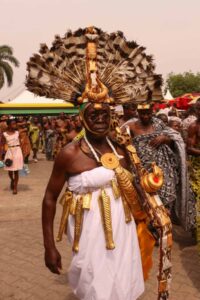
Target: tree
(6, 71)
(180, 84)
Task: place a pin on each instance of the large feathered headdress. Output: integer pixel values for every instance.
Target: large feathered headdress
(90, 65)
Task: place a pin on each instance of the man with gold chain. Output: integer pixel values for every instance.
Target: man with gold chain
(106, 210)
(95, 272)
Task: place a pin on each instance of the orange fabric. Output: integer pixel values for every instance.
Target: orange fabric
(139, 215)
(146, 243)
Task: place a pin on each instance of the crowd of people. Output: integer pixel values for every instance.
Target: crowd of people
(163, 136)
(169, 138)
(22, 137)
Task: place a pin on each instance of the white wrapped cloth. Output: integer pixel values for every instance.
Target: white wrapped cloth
(95, 272)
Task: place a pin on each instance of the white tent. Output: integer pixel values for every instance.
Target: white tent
(29, 98)
(168, 96)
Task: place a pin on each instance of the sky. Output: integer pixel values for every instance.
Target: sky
(169, 29)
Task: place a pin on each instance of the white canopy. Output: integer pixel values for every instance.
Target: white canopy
(29, 98)
(168, 96)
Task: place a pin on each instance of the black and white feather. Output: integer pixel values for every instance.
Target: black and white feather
(123, 67)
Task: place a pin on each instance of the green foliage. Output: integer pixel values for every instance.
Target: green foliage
(180, 84)
(6, 71)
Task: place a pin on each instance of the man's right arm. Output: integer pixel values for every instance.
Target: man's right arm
(192, 141)
(54, 187)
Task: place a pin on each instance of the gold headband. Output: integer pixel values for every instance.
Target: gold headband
(143, 106)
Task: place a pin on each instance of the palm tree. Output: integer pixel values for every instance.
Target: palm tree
(6, 71)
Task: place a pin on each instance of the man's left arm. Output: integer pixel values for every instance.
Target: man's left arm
(160, 140)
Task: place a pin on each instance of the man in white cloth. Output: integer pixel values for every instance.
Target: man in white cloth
(101, 208)
(95, 272)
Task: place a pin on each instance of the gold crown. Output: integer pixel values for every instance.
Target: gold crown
(95, 90)
(143, 106)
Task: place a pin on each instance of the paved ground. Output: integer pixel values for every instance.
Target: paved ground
(22, 271)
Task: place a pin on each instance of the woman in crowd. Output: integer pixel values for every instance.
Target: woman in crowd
(34, 132)
(13, 158)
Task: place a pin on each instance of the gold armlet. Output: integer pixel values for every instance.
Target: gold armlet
(87, 201)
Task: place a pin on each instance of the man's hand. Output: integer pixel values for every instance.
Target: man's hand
(53, 260)
(159, 140)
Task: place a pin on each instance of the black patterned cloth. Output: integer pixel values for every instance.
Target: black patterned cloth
(175, 192)
(164, 157)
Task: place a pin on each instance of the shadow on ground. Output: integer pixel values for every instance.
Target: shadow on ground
(187, 245)
(62, 279)
(21, 187)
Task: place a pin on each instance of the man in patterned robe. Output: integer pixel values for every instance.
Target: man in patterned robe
(158, 143)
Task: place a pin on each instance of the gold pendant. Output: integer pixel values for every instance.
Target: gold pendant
(87, 201)
(109, 161)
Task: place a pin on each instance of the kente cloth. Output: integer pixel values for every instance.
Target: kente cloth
(195, 184)
(172, 160)
(185, 202)
(95, 272)
(164, 157)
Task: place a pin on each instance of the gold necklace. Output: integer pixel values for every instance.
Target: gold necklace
(108, 160)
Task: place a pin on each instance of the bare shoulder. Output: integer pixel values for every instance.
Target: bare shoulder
(67, 155)
(133, 126)
(132, 123)
(69, 151)
(193, 127)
